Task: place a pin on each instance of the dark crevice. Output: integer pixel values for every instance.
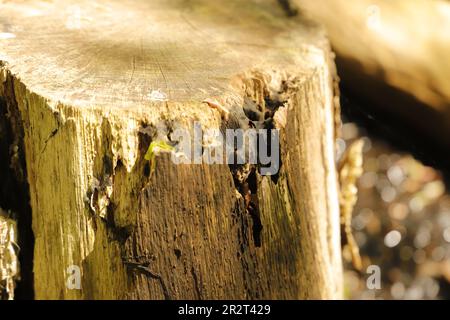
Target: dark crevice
(259, 115)
(108, 165)
(272, 106)
(115, 232)
(177, 253)
(147, 169)
(144, 268)
(196, 286)
(52, 134)
(288, 7)
(145, 138)
(253, 208)
(14, 188)
(249, 191)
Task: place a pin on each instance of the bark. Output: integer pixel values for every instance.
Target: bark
(88, 85)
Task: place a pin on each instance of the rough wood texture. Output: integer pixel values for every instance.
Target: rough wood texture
(79, 76)
(394, 54)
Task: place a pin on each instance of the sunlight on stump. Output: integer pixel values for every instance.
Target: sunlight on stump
(94, 83)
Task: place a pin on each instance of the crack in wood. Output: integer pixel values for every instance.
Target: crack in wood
(197, 288)
(144, 269)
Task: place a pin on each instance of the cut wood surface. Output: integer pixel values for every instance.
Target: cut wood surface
(88, 85)
(394, 55)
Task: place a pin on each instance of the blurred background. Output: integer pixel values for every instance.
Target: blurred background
(393, 58)
(401, 221)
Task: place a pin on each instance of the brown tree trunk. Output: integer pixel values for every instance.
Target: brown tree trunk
(88, 85)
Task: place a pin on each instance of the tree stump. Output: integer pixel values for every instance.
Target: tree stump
(87, 86)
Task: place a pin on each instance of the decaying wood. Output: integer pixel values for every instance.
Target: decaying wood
(394, 55)
(9, 263)
(92, 81)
